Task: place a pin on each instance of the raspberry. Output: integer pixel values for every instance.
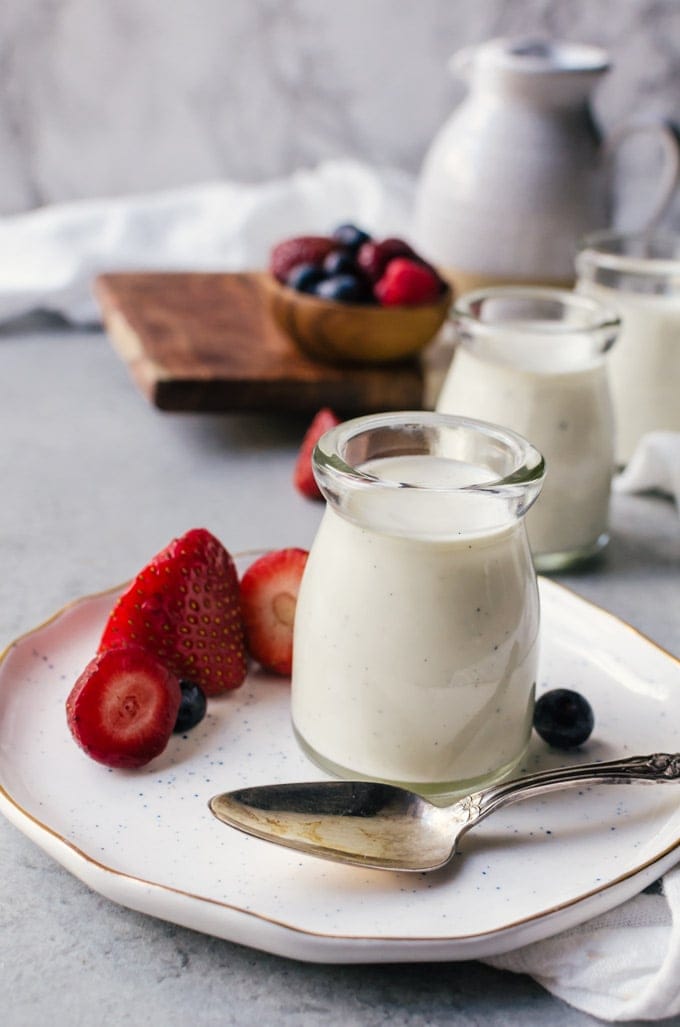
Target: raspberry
(407, 283)
(302, 249)
(373, 257)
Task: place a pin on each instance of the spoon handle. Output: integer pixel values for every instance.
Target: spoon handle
(657, 768)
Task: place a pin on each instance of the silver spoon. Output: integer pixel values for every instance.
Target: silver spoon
(369, 824)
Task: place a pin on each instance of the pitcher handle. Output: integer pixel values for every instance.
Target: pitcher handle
(667, 136)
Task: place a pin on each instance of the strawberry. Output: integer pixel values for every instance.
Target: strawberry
(183, 607)
(407, 283)
(123, 707)
(269, 591)
(303, 476)
(302, 249)
(373, 257)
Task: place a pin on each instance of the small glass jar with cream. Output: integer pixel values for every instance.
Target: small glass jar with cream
(533, 360)
(417, 621)
(638, 275)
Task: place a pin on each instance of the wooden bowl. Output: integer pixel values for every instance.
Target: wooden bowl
(338, 333)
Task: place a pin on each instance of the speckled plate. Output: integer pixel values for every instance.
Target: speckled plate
(146, 839)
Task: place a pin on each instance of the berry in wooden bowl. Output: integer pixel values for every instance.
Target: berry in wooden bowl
(347, 298)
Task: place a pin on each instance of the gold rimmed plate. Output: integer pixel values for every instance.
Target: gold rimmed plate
(147, 840)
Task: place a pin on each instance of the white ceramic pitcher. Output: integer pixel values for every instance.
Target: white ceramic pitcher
(518, 174)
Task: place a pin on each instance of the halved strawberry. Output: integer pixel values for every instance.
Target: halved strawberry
(184, 608)
(123, 707)
(269, 591)
(302, 249)
(303, 477)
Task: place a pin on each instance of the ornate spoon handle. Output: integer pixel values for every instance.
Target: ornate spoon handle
(657, 768)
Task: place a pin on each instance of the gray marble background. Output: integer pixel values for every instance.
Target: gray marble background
(132, 95)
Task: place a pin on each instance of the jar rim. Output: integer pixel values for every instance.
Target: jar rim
(598, 318)
(527, 468)
(644, 254)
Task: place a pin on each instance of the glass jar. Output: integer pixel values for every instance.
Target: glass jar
(416, 628)
(639, 275)
(534, 361)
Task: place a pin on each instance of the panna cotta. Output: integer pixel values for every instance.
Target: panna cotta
(417, 626)
(567, 414)
(639, 276)
(548, 381)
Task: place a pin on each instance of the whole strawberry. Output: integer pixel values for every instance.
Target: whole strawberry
(407, 283)
(302, 249)
(184, 608)
(123, 708)
(303, 476)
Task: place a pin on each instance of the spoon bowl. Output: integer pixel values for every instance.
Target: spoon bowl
(361, 822)
(371, 824)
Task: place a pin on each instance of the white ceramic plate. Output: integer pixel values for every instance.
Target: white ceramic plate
(146, 839)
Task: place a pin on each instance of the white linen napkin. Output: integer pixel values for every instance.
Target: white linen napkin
(625, 964)
(619, 966)
(654, 466)
(622, 965)
(50, 256)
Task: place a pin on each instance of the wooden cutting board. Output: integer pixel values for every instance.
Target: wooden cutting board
(205, 342)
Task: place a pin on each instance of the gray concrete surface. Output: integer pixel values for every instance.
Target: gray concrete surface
(94, 481)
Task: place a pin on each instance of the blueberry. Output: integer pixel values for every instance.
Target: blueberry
(350, 236)
(563, 719)
(304, 277)
(191, 708)
(340, 262)
(345, 288)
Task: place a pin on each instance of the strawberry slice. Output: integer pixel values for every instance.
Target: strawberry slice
(269, 591)
(303, 476)
(183, 607)
(123, 707)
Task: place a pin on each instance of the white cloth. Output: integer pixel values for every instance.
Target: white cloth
(625, 964)
(654, 466)
(50, 256)
(622, 965)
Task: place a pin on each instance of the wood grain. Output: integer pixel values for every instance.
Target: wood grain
(206, 342)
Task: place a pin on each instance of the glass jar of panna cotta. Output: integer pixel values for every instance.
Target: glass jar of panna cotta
(638, 275)
(534, 360)
(417, 620)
